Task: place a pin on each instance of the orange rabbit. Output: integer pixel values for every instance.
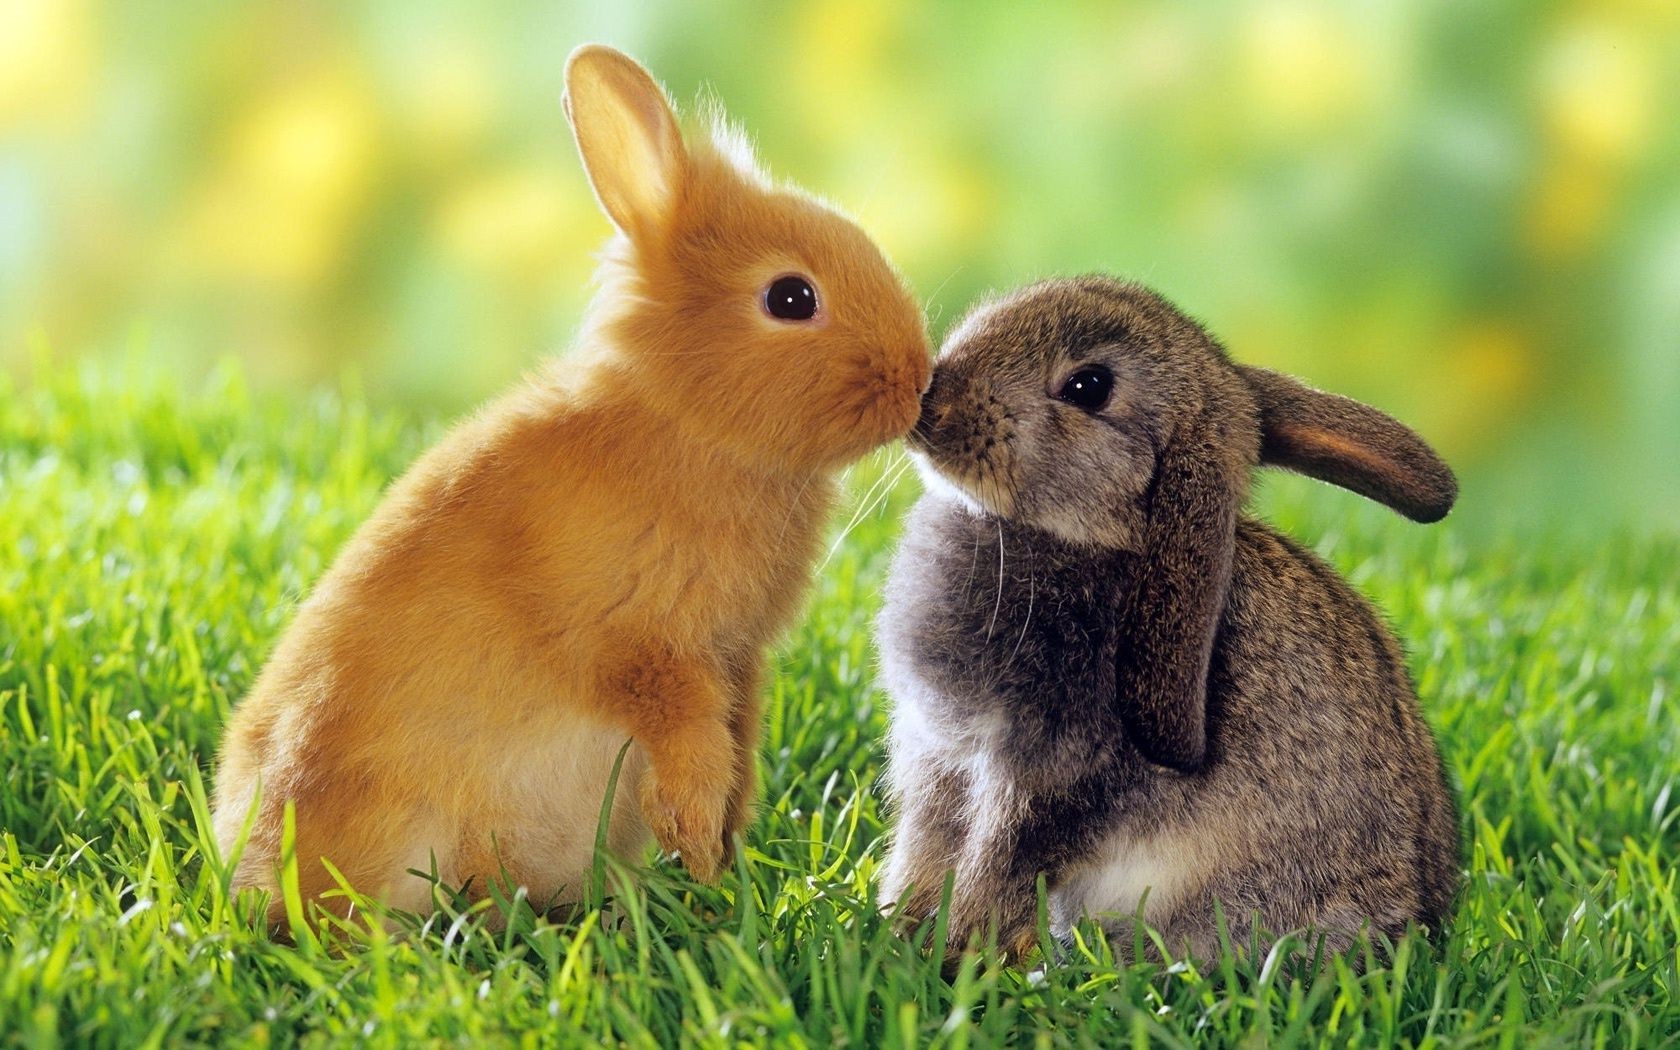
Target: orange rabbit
(606, 552)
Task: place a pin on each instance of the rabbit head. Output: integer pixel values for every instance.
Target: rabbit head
(1095, 411)
(750, 314)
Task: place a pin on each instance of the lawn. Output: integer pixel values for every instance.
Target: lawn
(154, 541)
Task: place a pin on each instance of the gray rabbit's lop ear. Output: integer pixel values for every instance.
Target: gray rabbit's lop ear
(1169, 621)
(1339, 440)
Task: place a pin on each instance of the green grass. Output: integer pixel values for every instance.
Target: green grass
(153, 542)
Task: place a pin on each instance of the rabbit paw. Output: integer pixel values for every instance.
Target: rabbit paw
(686, 821)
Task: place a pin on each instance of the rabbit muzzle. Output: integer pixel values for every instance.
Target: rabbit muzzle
(963, 434)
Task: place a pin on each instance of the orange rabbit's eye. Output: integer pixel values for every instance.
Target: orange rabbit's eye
(790, 298)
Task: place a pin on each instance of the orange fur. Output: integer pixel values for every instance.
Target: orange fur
(604, 553)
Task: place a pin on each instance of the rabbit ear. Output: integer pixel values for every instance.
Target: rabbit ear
(1339, 440)
(1167, 627)
(628, 137)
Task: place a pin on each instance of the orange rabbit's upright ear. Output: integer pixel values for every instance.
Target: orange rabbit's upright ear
(628, 137)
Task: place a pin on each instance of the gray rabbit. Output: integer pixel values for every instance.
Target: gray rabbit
(1102, 671)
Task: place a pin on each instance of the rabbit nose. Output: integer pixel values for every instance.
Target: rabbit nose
(935, 405)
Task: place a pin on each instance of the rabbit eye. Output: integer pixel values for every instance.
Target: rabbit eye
(790, 298)
(1088, 388)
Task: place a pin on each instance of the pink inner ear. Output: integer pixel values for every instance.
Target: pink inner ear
(1340, 460)
(645, 103)
(652, 113)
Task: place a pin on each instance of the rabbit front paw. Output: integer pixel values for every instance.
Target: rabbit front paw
(686, 818)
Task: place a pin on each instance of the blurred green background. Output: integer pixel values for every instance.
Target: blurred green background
(1468, 214)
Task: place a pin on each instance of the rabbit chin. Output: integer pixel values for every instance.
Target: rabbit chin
(1118, 531)
(978, 503)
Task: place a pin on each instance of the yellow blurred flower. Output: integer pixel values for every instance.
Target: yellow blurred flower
(1597, 91)
(449, 100)
(1302, 67)
(1570, 205)
(933, 209)
(46, 61)
(296, 176)
(837, 61)
(521, 226)
(1491, 361)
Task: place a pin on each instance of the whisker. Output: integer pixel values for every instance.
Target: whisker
(1028, 622)
(898, 472)
(935, 293)
(998, 605)
(861, 514)
(800, 495)
(886, 476)
(877, 496)
(973, 566)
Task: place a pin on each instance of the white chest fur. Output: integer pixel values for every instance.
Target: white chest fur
(1155, 871)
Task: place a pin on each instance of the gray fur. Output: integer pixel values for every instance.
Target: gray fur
(1104, 673)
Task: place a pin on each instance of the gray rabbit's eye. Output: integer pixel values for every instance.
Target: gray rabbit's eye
(1088, 388)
